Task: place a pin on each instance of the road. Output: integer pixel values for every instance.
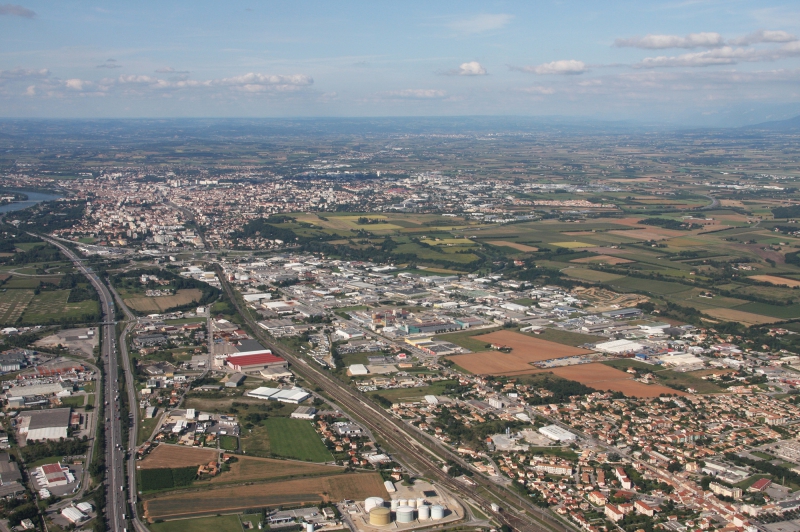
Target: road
(115, 456)
(418, 456)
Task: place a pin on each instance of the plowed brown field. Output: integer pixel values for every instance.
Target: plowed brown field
(176, 456)
(524, 350)
(602, 377)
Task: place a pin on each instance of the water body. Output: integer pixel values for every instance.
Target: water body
(33, 199)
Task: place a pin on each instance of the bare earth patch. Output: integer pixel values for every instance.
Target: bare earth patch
(173, 456)
(602, 377)
(520, 247)
(745, 318)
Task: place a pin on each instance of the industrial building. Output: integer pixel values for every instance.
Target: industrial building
(52, 475)
(285, 395)
(47, 424)
(234, 380)
(556, 433)
(255, 361)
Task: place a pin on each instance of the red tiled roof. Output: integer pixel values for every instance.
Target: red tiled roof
(265, 357)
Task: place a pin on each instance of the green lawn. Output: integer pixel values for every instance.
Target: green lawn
(465, 339)
(567, 338)
(76, 401)
(762, 455)
(229, 443)
(295, 438)
(220, 523)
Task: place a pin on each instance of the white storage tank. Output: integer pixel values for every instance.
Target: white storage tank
(437, 511)
(403, 502)
(412, 503)
(405, 514)
(424, 512)
(372, 502)
(420, 502)
(309, 527)
(395, 505)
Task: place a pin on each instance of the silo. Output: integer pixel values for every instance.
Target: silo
(395, 504)
(309, 527)
(380, 516)
(405, 514)
(437, 511)
(424, 512)
(372, 502)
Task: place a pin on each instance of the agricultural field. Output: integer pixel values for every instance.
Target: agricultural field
(355, 486)
(513, 245)
(219, 523)
(524, 351)
(160, 304)
(673, 379)
(602, 377)
(53, 306)
(165, 456)
(250, 468)
(12, 304)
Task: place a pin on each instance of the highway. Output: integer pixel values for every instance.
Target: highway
(115, 454)
(517, 511)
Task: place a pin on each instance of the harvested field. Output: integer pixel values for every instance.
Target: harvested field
(651, 233)
(524, 350)
(160, 304)
(13, 303)
(602, 377)
(774, 279)
(293, 492)
(608, 259)
(745, 318)
(173, 456)
(249, 468)
(520, 247)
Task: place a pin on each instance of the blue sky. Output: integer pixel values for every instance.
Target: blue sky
(692, 61)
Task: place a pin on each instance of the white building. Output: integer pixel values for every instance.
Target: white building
(556, 433)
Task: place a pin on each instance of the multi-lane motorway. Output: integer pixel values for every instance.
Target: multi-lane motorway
(115, 453)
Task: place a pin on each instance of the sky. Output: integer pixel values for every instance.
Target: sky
(726, 62)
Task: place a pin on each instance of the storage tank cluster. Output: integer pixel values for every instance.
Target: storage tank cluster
(405, 511)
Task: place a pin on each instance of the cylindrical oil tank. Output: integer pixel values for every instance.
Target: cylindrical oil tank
(309, 527)
(420, 502)
(437, 511)
(395, 505)
(380, 516)
(424, 512)
(405, 514)
(403, 502)
(412, 503)
(372, 502)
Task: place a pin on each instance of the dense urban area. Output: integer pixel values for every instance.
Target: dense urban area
(463, 324)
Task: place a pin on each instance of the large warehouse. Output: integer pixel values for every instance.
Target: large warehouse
(286, 395)
(48, 424)
(556, 433)
(255, 361)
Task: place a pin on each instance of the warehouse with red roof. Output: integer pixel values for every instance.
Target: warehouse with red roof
(255, 361)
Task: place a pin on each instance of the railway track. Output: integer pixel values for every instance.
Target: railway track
(421, 458)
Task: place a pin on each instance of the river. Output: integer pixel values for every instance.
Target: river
(33, 199)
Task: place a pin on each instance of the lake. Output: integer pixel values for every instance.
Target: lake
(33, 199)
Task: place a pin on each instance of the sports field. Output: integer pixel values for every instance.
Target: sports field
(295, 438)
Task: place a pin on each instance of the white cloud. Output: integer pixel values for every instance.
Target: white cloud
(538, 89)
(471, 68)
(31, 90)
(654, 42)
(110, 63)
(76, 84)
(764, 36)
(170, 70)
(480, 23)
(22, 73)
(16, 11)
(726, 55)
(564, 67)
(417, 94)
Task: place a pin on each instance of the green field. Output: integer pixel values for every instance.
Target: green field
(76, 401)
(566, 337)
(12, 304)
(648, 285)
(229, 443)
(586, 274)
(220, 523)
(52, 307)
(295, 438)
(465, 339)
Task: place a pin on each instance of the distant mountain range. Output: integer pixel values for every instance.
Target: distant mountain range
(792, 124)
